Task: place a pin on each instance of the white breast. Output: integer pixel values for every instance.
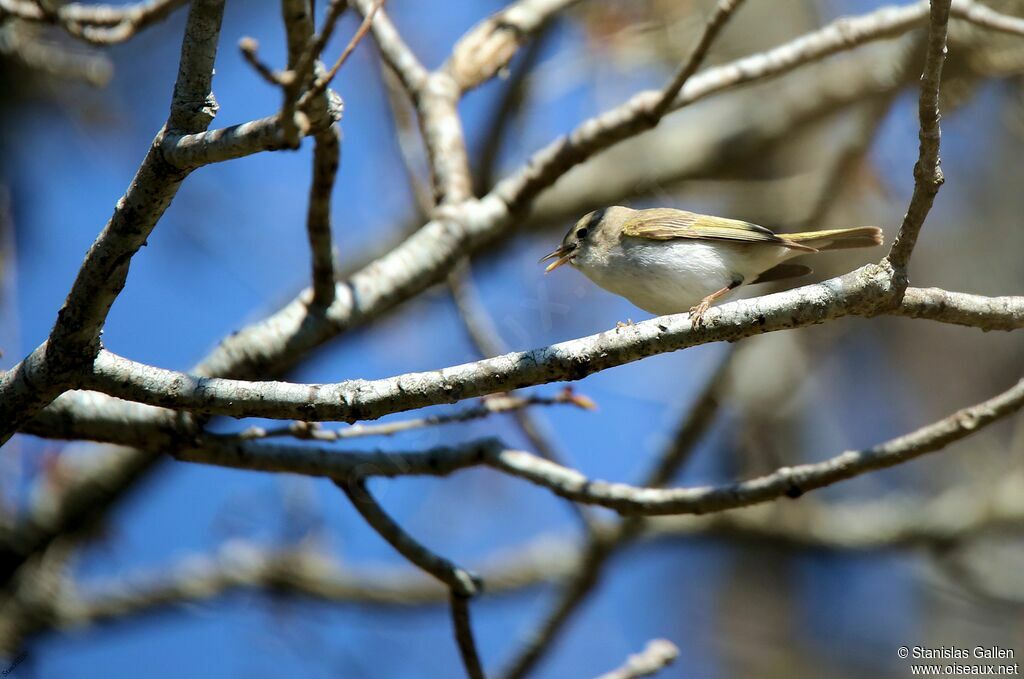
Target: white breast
(668, 277)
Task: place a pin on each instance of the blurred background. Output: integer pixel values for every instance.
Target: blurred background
(829, 145)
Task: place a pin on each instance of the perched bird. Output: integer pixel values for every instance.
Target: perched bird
(667, 261)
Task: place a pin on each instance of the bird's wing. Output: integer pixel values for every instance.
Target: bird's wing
(669, 224)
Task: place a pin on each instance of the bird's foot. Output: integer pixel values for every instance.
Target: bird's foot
(627, 324)
(697, 312)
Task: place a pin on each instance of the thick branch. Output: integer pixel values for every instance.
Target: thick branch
(74, 340)
(189, 151)
(976, 311)
(860, 292)
(857, 292)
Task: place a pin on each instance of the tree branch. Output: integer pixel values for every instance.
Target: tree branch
(462, 584)
(394, 50)
(464, 635)
(786, 481)
(459, 581)
(656, 656)
(74, 340)
(860, 293)
(96, 24)
(928, 171)
(426, 256)
(602, 545)
(489, 406)
(326, 157)
(956, 516)
(489, 46)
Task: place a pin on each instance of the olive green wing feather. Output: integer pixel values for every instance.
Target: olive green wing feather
(781, 272)
(669, 224)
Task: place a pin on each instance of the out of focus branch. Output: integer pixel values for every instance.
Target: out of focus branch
(983, 16)
(96, 24)
(490, 45)
(396, 53)
(656, 656)
(480, 327)
(21, 42)
(954, 517)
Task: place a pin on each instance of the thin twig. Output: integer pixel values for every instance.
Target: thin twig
(504, 403)
(326, 158)
(315, 47)
(656, 656)
(625, 499)
(392, 47)
(460, 581)
(928, 170)
(464, 635)
(249, 48)
(321, 83)
(723, 11)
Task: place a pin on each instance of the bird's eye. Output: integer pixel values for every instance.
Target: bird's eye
(581, 233)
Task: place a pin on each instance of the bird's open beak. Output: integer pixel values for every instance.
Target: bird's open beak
(561, 256)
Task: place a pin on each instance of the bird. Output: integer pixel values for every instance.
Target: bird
(667, 261)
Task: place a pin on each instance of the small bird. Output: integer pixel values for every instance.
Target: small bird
(667, 261)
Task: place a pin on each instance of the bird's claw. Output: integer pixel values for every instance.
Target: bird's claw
(697, 313)
(627, 324)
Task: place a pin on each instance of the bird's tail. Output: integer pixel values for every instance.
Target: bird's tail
(838, 239)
